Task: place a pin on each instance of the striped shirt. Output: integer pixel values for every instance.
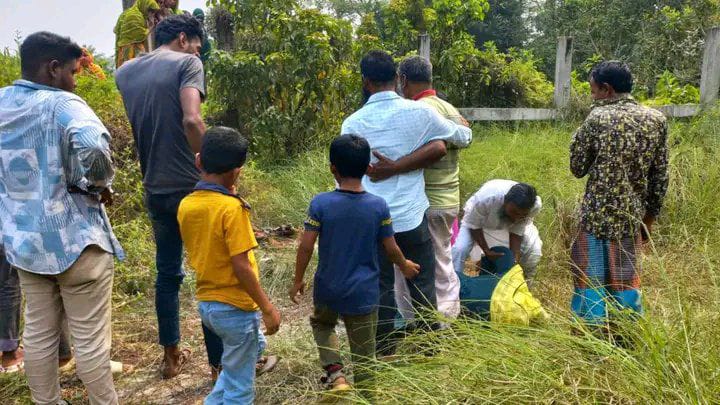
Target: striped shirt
(50, 142)
(442, 179)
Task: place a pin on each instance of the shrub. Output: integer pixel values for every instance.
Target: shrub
(489, 78)
(668, 90)
(290, 85)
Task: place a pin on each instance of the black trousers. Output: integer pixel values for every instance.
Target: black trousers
(417, 246)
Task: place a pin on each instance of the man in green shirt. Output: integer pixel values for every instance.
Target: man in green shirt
(442, 186)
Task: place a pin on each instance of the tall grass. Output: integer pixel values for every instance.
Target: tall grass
(675, 357)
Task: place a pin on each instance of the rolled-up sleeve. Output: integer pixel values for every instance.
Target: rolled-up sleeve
(85, 147)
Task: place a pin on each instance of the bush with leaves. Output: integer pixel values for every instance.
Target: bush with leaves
(668, 90)
(652, 36)
(471, 77)
(474, 78)
(291, 81)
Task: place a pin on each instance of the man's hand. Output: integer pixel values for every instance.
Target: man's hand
(493, 255)
(410, 269)
(383, 169)
(296, 291)
(106, 197)
(271, 319)
(464, 122)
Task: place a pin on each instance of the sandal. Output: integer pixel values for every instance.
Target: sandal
(266, 364)
(183, 359)
(336, 382)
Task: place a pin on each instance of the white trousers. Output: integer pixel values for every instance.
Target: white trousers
(447, 284)
(530, 248)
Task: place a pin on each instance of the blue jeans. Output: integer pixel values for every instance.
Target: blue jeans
(162, 209)
(243, 343)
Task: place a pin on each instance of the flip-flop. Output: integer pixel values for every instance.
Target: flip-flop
(268, 365)
(183, 359)
(15, 368)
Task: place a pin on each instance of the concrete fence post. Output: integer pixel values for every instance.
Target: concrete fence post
(424, 45)
(710, 76)
(563, 68)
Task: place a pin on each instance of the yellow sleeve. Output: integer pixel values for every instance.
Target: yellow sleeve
(239, 235)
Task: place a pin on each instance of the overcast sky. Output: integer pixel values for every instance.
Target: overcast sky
(88, 22)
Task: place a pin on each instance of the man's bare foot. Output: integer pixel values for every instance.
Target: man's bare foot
(174, 361)
(13, 358)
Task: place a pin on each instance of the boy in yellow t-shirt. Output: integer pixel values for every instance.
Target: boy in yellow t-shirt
(216, 230)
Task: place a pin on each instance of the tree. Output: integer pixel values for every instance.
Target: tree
(505, 24)
(651, 35)
(291, 79)
(353, 10)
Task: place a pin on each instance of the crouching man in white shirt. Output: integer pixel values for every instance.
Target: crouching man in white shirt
(501, 214)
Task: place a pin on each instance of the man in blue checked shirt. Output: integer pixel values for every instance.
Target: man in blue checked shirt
(55, 176)
(414, 135)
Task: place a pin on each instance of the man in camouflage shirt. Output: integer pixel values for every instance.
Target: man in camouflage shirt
(622, 148)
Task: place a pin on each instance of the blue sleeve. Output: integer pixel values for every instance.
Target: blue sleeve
(441, 128)
(314, 217)
(386, 228)
(85, 147)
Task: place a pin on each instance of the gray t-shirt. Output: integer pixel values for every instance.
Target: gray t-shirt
(150, 86)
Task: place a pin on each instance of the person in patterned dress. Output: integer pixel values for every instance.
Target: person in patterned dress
(622, 149)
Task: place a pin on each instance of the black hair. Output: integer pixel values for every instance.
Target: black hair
(378, 67)
(523, 195)
(615, 74)
(171, 27)
(416, 69)
(223, 149)
(350, 154)
(43, 47)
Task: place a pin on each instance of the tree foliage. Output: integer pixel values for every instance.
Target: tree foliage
(653, 36)
(353, 10)
(506, 25)
(291, 80)
(471, 75)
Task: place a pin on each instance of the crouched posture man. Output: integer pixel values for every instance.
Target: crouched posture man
(501, 214)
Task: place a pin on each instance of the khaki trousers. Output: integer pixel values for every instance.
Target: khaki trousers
(361, 334)
(83, 293)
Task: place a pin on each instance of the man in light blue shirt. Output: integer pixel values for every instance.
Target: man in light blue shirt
(55, 176)
(398, 128)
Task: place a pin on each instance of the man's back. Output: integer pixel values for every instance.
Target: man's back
(623, 148)
(396, 127)
(442, 179)
(150, 86)
(43, 227)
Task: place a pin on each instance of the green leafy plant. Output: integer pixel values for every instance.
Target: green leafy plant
(668, 90)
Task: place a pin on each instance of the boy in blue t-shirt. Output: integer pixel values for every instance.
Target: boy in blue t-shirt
(352, 225)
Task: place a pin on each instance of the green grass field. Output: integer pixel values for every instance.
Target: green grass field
(676, 358)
